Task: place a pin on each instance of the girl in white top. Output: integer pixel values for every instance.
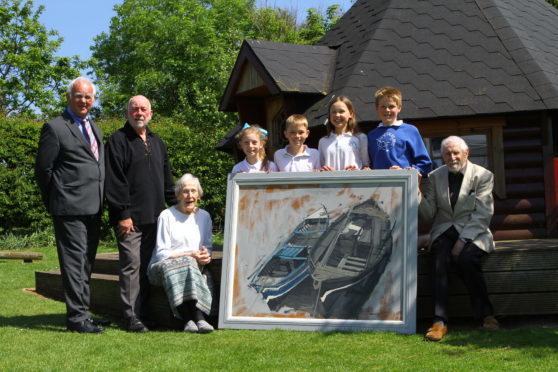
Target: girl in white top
(344, 147)
(252, 140)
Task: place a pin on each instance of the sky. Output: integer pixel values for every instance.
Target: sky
(78, 21)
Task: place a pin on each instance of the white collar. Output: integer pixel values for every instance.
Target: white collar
(396, 124)
(257, 165)
(288, 154)
(344, 134)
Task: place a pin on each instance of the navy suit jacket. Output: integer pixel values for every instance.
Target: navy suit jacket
(70, 178)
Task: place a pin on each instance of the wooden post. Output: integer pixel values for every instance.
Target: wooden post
(25, 256)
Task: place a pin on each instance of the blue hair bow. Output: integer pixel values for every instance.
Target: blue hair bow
(246, 125)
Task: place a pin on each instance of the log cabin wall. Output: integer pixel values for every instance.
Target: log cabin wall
(521, 215)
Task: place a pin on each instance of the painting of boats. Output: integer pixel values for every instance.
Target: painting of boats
(335, 267)
(349, 259)
(320, 251)
(287, 266)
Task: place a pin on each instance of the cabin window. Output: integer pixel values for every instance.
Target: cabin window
(478, 149)
(484, 137)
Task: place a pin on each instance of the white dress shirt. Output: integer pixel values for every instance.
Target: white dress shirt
(307, 161)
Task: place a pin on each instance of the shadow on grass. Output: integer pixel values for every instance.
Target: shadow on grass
(536, 335)
(522, 338)
(517, 332)
(43, 322)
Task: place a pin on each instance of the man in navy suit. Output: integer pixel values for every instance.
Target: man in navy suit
(461, 204)
(70, 172)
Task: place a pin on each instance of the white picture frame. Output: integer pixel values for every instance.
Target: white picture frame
(320, 251)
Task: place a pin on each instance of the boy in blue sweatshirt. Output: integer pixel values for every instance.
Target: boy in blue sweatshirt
(394, 144)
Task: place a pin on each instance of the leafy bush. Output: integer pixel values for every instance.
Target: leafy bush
(190, 151)
(20, 198)
(24, 239)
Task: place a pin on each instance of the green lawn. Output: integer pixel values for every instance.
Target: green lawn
(33, 338)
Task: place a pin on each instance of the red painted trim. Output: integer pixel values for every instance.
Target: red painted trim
(552, 203)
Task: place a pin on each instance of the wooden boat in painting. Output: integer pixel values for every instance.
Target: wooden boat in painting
(348, 260)
(287, 266)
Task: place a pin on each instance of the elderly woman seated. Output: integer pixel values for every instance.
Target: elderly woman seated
(183, 249)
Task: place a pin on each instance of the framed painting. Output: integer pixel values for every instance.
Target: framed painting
(320, 251)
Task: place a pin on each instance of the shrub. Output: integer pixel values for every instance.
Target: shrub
(20, 198)
(190, 151)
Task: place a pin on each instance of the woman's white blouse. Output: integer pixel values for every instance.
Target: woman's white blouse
(180, 232)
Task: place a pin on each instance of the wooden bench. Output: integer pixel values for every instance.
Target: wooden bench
(105, 292)
(25, 256)
(521, 276)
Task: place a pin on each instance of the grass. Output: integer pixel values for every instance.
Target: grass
(33, 338)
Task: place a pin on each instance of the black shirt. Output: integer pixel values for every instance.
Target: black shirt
(454, 182)
(138, 177)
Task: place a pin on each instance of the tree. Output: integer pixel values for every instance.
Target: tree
(179, 54)
(317, 25)
(31, 77)
(274, 24)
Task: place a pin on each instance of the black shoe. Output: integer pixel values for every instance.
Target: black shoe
(85, 326)
(99, 322)
(135, 325)
(149, 323)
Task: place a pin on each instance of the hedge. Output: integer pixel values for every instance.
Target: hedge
(189, 151)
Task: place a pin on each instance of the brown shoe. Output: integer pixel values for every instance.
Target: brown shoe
(490, 324)
(436, 332)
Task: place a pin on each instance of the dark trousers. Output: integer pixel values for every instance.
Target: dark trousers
(468, 267)
(77, 238)
(134, 254)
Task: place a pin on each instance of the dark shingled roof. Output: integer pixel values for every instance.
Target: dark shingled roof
(297, 68)
(286, 68)
(450, 58)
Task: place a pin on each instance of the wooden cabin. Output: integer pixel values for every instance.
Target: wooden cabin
(483, 70)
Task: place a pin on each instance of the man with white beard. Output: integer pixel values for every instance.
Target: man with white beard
(138, 184)
(460, 202)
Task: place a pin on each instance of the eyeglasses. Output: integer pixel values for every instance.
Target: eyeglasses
(88, 97)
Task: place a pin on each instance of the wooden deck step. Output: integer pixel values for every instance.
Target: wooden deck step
(105, 296)
(106, 263)
(521, 276)
(105, 293)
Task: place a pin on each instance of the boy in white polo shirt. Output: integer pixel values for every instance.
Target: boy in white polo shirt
(296, 156)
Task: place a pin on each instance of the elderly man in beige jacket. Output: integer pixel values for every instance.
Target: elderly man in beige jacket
(460, 202)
